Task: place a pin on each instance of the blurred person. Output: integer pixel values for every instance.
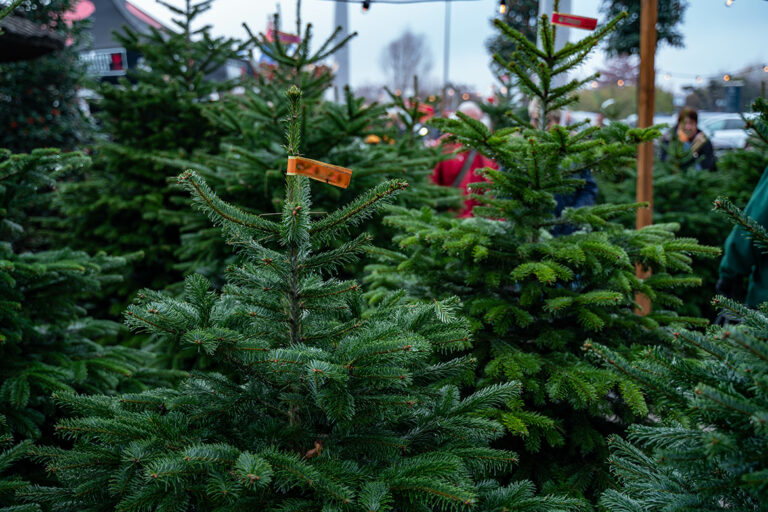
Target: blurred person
(428, 133)
(583, 196)
(690, 144)
(459, 171)
(600, 120)
(534, 113)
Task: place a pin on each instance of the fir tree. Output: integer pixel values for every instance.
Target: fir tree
(38, 98)
(311, 403)
(534, 297)
(11, 453)
(48, 342)
(248, 170)
(711, 455)
(522, 15)
(124, 205)
(626, 39)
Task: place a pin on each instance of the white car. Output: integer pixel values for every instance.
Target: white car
(726, 131)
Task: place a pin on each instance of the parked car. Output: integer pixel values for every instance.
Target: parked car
(726, 131)
(576, 116)
(668, 119)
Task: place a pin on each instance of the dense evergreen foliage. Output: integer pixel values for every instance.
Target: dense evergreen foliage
(311, 402)
(626, 39)
(711, 454)
(10, 480)
(534, 297)
(47, 340)
(496, 363)
(38, 98)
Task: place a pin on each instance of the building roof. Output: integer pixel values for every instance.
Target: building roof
(22, 39)
(112, 15)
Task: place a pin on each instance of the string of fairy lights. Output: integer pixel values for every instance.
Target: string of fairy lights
(667, 76)
(503, 5)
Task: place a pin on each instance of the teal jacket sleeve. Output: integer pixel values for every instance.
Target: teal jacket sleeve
(739, 254)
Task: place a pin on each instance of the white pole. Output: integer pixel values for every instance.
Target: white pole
(342, 55)
(447, 42)
(547, 7)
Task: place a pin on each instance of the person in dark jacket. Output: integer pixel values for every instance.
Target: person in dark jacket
(742, 259)
(686, 142)
(583, 196)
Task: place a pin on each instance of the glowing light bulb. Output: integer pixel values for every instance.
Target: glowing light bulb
(594, 84)
(620, 83)
(727, 78)
(502, 6)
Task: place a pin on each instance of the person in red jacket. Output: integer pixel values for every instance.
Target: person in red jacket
(459, 171)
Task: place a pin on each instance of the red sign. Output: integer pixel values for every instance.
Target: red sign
(569, 20)
(285, 37)
(117, 61)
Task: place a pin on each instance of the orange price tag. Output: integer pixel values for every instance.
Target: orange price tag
(320, 171)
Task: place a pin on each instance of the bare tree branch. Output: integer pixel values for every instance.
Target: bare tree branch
(404, 57)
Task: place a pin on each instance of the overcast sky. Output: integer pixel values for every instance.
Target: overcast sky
(718, 39)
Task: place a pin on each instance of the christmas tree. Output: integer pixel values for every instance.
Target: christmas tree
(38, 98)
(626, 39)
(124, 204)
(10, 454)
(48, 340)
(521, 15)
(538, 282)
(711, 453)
(45, 336)
(351, 133)
(311, 402)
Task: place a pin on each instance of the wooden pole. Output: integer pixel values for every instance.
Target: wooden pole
(646, 96)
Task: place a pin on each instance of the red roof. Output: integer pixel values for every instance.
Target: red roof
(146, 18)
